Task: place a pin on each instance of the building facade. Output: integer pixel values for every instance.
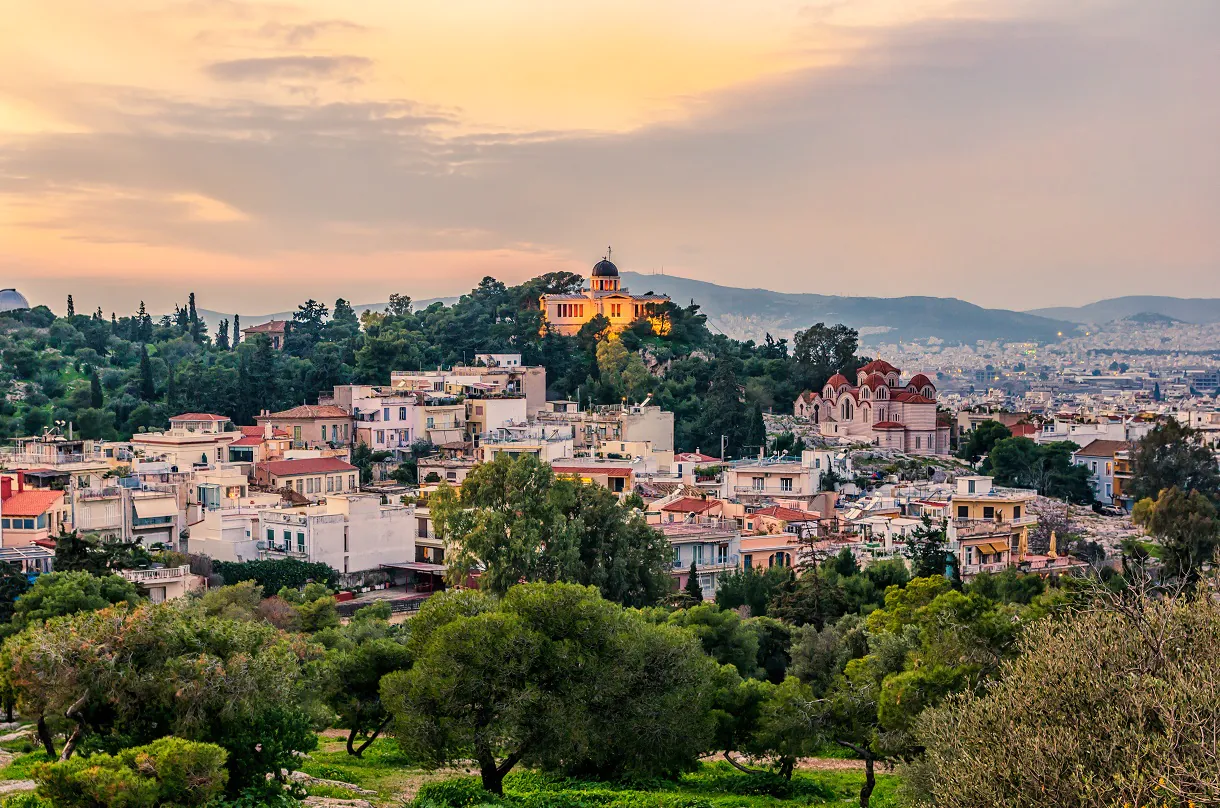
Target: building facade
(879, 409)
(566, 313)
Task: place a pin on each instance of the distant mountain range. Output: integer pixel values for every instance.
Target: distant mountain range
(754, 313)
(1189, 310)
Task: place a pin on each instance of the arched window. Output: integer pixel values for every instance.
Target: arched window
(846, 409)
(882, 393)
(864, 392)
(817, 413)
(927, 393)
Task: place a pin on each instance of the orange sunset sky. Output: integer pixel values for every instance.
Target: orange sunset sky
(1014, 153)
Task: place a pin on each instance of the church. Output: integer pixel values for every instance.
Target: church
(565, 314)
(878, 409)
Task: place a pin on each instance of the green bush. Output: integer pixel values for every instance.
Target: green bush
(456, 792)
(26, 800)
(274, 575)
(170, 772)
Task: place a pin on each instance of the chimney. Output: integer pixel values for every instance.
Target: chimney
(20, 481)
(6, 489)
(267, 430)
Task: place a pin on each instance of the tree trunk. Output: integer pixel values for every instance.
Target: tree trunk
(492, 773)
(738, 766)
(357, 751)
(73, 713)
(44, 736)
(870, 782)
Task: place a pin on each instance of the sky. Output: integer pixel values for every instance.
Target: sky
(1013, 153)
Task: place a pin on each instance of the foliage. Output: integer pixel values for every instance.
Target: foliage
(750, 587)
(13, 584)
(1170, 455)
(926, 548)
(362, 652)
(1186, 527)
(60, 593)
(169, 772)
(518, 521)
(982, 439)
(496, 681)
(1046, 468)
(92, 554)
(131, 676)
(1133, 727)
(725, 637)
(274, 575)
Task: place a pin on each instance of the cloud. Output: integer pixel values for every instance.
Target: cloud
(1005, 161)
(289, 67)
(298, 34)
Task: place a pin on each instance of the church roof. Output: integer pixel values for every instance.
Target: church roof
(836, 380)
(605, 268)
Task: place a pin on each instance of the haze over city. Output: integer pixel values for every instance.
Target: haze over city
(983, 150)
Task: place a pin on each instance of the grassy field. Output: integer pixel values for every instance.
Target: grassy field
(395, 779)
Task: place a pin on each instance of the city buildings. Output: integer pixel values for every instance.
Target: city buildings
(1100, 458)
(566, 313)
(194, 439)
(312, 426)
(349, 532)
(988, 526)
(313, 477)
(30, 515)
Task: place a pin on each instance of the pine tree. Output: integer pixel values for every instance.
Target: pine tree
(222, 336)
(71, 307)
(693, 590)
(95, 389)
(144, 324)
(97, 315)
(236, 329)
(148, 390)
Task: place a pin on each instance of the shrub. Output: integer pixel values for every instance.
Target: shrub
(456, 792)
(169, 772)
(274, 575)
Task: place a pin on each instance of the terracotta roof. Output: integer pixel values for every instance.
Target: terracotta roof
(879, 366)
(257, 432)
(308, 411)
(836, 380)
(807, 396)
(1023, 430)
(273, 326)
(919, 380)
(199, 416)
(912, 398)
(31, 503)
(248, 440)
(588, 471)
(695, 457)
(786, 514)
(873, 381)
(1103, 448)
(689, 505)
(306, 465)
(888, 425)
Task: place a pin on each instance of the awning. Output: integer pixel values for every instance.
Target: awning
(446, 437)
(418, 566)
(993, 547)
(152, 508)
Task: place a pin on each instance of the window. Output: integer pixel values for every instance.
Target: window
(748, 560)
(1109, 490)
(785, 483)
(5, 523)
(698, 553)
(1016, 511)
(345, 433)
(1109, 468)
(963, 511)
(431, 422)
(616, 309)
(379, 436)
(677, 556)
(351, 482)
(330, 485)
(988, 512)
(970, 486)
(757, 483)
(300, 542)
(345, 539)
(300, 486)
(334, 433)
(402, 413)
(287, 539)
(385, 414)
(722, 554)
(917, 440)
(270, 536)
(324, 433)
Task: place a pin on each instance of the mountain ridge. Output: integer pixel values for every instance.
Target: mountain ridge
(1197, 310)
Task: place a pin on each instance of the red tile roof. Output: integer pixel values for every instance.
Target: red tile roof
(308, 411)
(879, 366)
(1103, 448)
(689, 505)
(306, 465)
(248, 440)
(786, 514)
(257, 432)
(836, 380)
(1023, 430)
(31, 503)
(888, 425)
(912, 398)
(589, 471)
(199, 416)
(919, 380)
(271, 327)
(695, 457)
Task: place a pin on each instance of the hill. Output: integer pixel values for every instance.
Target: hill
(752, 313)
(1186, 309)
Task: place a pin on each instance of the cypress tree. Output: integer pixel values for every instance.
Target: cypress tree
(148, 390)
(692, 588)
(236, 329)
(71, 307)
(222, 335)
(95, 389)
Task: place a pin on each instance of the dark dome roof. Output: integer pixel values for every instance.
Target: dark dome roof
(605, 268)
(12, 300)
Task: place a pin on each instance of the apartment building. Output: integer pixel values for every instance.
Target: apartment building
(506, 377)
(193, 440)
(349, 532)
(1100, 457)
(619, 432)
(313, 477)
(312, 426)
(30, 515)
(988, 526)
(713, 545)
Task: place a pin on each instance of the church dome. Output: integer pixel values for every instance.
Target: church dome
(12, 300)
(605, 268)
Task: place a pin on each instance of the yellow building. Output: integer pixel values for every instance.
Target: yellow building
(566, 313)
(989, 526)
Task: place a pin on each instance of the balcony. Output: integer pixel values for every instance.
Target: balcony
(159, 575)
(967, 528)
(975, 569)
(770, 490)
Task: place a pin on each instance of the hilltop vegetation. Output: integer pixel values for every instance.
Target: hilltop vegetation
(117, 375)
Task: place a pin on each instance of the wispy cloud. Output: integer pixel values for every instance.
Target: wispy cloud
(289, 67)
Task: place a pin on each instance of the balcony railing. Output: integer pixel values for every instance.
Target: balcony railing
(989, 527)
(974, 569)
(768, 489)
(161, 574)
